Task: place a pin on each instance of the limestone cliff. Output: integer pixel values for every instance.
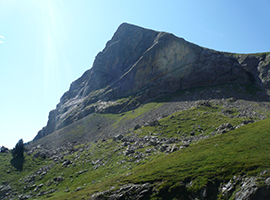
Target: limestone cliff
(143, 63)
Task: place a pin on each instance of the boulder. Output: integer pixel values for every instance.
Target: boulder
(248, 189)
(42, 153)
(66, 163)
(129, 150)
(78, 188)
(163, 147)
(137, 127)
(22, 197)
(118, 137)
(224, 128)
(58, 178)
(132, 191)
(153, 123)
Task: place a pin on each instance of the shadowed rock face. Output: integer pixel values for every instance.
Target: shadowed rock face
(121, 52)
(148, 63)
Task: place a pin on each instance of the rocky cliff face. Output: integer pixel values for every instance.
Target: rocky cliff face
(143, 63)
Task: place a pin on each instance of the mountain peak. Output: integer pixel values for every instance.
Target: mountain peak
(128, 27)
(146, 63)
(125, 25)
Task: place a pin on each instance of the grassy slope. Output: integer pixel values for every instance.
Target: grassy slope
(216, 159)
(208, 118)
(10, 174)
(242, 150)
(88, 126)
(239, 152)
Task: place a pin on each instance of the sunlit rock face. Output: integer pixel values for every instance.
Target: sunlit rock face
(171, 64)
(147, 63)
(258, 65)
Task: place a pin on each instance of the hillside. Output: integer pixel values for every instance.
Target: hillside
(209, 151)
(156, 117)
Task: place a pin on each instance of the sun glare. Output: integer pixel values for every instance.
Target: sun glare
(1, 37)
(55, 44)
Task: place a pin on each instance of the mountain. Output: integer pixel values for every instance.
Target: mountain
(146, 64)
(156, 117)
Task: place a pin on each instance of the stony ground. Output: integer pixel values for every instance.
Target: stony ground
(130, 143)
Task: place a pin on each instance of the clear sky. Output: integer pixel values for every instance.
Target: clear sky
(47, 44)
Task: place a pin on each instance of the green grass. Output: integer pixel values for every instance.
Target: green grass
(88, 126)
(200, 120)
(129, 115)
(10, 174)
(211, 161)
(240, 152)
(214, 159)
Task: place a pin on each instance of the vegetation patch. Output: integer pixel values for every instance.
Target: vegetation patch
(191, 151)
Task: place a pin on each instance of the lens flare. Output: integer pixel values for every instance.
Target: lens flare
(2, 38)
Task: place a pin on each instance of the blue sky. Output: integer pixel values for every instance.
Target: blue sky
(47, 44)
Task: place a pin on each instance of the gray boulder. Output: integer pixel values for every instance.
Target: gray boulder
(129, 150)
(118, 137)
(248, 189)
(131, 191)
(224, 128)
(66, 163)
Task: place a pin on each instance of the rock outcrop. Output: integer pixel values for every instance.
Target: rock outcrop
(146, 63)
